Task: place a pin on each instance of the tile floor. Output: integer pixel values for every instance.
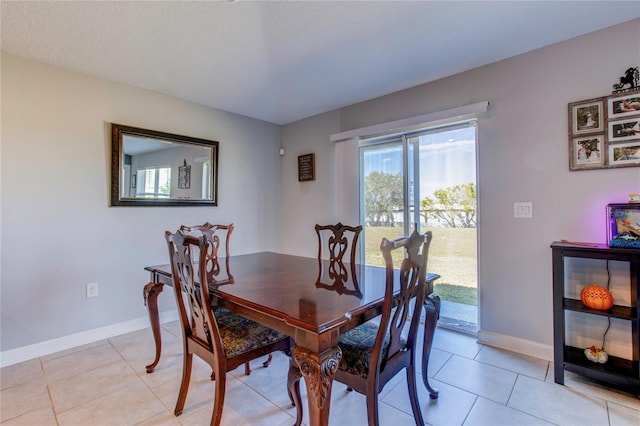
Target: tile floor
(105, 383)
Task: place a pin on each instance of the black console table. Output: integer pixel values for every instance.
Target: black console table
(618, 372)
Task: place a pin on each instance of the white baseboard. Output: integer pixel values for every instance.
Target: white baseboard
(515, 344)
(25, 353)
(36, 350)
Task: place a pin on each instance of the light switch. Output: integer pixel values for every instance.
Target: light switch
(523, 210)
(92, 290)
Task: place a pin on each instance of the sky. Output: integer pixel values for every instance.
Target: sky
(446, 158)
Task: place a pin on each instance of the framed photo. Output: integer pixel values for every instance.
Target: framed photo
(625, 154)
(306, 167)
(184, 176)
(587, 152)
(604, 133)
(586, 116)
(624, 106)
(624, 130)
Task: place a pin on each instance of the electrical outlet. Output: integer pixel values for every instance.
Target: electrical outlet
(523, 210)
(92, 290)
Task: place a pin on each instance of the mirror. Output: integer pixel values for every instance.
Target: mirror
(150, 168)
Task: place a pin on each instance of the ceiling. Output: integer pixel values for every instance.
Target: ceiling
(281, 61)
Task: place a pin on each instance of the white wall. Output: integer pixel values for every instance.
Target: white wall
(58, 231)
(523, 156)
(309, 202)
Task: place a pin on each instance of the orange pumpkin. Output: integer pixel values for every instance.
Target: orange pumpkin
(596, 297)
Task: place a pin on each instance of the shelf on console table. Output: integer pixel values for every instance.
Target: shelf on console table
(618, 372)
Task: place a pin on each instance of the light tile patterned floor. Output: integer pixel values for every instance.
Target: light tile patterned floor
(105, 383)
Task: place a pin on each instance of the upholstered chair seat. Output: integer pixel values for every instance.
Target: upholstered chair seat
(240, 335)
(357, 348)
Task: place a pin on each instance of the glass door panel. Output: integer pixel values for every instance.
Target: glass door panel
(427, 181)
(382, 183)
(448, 208)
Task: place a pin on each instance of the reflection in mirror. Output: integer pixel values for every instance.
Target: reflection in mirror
(150, 168)
(339, 277)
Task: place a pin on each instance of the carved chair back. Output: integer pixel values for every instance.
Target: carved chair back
(217, 261)
(367, 368)
(338, 246)
(188, 256)
(336, 241)
(221, 338)
(412, 280)
(219, 237)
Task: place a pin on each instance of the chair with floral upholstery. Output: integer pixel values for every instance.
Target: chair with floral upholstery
(218, 272)
(374, 352)
(222, 339)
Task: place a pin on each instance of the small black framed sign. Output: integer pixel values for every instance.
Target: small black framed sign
(184, 176)
(306, 167)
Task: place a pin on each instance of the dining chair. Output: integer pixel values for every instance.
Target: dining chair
(338, 244)
(217, 272)
(216, 235)
(224, 341)
(374, 352)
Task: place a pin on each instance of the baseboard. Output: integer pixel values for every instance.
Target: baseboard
(36, 350)
(515, 344)
(25, 353)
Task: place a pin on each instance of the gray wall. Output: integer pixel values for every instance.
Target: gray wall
(58, 231)
(523, 156)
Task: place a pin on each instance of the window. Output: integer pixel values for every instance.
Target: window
(154, 183)
(206, 180)
(427, 180)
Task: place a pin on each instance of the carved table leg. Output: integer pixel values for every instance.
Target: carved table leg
(150, 294)
(318, 371)
(293, 388)
(432, 310)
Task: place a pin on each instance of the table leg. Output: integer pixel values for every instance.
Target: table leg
(432, 311)
(293, 388)
(318, 371)
(150, 294)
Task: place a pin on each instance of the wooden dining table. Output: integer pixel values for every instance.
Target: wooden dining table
(297, 296)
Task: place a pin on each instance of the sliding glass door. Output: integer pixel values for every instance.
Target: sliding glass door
(427, 181)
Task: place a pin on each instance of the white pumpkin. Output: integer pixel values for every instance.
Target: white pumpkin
(596, 355)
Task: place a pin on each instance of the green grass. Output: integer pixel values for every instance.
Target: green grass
(452, 255)
(457, 293)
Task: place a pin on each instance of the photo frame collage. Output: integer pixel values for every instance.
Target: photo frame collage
(605, 132)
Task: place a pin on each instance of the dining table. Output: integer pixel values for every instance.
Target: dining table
(309, 299)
